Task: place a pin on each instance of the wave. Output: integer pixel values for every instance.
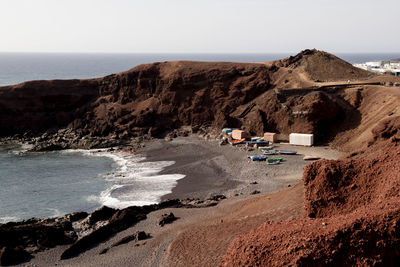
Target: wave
(6, 219)
(135, 182)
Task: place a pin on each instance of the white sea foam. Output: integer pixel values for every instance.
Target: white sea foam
(8, 219)
(134, 182)
(21, 149)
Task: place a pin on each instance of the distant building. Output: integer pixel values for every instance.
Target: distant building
(396, 72)
(374, 64)
(380, 67)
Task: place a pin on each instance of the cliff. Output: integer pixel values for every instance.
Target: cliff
(154, 98)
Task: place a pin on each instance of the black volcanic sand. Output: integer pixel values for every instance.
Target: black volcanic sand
(203, 165)
(211, 169)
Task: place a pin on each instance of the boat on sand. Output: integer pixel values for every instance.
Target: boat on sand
(288, 152)
(237, 142)
(257, 158)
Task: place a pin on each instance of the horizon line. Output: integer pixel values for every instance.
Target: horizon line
(227, 53)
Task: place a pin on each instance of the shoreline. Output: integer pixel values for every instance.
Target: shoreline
(203, 169)
(210, 170)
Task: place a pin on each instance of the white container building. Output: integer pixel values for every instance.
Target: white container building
(301, 139)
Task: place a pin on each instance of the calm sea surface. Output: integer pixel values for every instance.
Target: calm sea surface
(52, 184)
(49, 184)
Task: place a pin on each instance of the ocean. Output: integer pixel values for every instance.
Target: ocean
(56, 183)
(20, 67)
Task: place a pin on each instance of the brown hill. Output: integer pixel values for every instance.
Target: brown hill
(154, 98)
(321, 66)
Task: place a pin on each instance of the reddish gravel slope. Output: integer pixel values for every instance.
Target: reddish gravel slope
(356, 203)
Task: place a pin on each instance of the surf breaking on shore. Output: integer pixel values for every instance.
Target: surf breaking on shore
(135, 182)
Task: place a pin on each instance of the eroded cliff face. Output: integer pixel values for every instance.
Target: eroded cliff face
(162, 96)
(41, 105)
(154, 98)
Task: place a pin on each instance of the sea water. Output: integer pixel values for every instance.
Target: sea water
(55, 183)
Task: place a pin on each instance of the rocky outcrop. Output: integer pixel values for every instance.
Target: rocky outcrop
(38, 106)
(167, 219)
(19, 239)
(81, 230)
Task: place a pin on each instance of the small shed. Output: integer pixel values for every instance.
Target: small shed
(271, 137)
(239, 134)
(301, 139)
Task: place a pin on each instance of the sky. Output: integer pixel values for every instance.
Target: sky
(199, 26)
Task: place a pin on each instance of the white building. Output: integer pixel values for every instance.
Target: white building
(374, 64)
(381, 67)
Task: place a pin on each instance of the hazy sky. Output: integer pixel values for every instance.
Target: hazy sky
(187, 26)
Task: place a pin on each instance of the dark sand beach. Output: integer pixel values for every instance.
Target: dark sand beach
(210, 169)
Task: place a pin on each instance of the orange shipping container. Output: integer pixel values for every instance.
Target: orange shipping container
(239, 134)
(272, 137)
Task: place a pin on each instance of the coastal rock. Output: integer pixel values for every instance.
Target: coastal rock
(102, 214)
(119, 221)
(167, 219)
(12, 256)
(19, 239)
(138, 236)
(217, 197)
(77, 216)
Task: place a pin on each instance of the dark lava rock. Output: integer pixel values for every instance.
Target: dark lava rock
(104, 251)
(77, 216)
(13, 256)
(49, 147)
(102, 214)
(138, 236)
(141, 235)
(37, 234)
(167, 219)
(119, 221)
(217, 197)
(255, 192)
